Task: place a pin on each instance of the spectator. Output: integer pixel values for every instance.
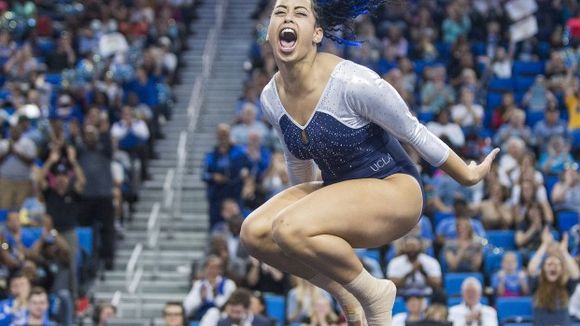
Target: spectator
(276, 177)
(549, 127)
(13, 309)
(456, 24)
(17, 155)
(510, 280)
(467, 113)
(37, 308)
(447, 229)
(436, 94)
(529, 230)
(502, 113)
(8, 261)
(19, 239)
(322, 314)
(464, 254)
(554, 275)
(572, 101)
(501, 65)
(265, 278)
(470, 311)
(446, 191)
(238, 311)
(415, 305)
(62, 198)
(300, 300)
(95, 158)
(539, 98)
(260, 158)
(515, 128)
(414, 271)
(495, 211)
(449, 131)
(104, 312)
(556, 156)
(525, 169)
(132, 135)
(226, 170)
(258, 304)
(566, 192)
(436, 313)
(63, 57)
(174, 314)
(241, 132)
(211, 290)
(234, 264)
(525, 194)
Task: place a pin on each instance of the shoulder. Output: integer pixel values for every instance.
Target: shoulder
(398, 261)
(269, 100)
(426, 259)
(488, 309)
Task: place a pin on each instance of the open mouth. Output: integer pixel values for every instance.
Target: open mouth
(288, 39)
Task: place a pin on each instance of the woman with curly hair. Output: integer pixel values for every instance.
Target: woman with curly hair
(347, 120)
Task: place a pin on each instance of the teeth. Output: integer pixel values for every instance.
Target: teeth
(287, 30)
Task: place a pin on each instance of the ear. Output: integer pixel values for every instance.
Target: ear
(318, 35)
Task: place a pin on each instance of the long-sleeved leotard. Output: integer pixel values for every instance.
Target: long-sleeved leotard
(354, 131)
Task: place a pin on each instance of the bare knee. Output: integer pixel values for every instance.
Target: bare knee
(288, 235)
(255, 234)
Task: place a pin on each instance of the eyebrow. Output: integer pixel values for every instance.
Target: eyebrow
(286, 7)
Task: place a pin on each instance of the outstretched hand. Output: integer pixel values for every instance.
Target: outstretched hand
(479, 171)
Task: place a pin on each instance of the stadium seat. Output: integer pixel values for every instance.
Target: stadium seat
(399, 306)
(53, 79)
(493, 100)
(550, 182)
(514, 307)
(453, 282)
(522, 84)
(502, 239)
(575, 139)
(566, 220)
(478, 48)
(492, 261)
(425, 117)
(526, 68)
(85, 236)
(3, 215)
(453, 301)
(532, 117)
(276, 307)
(501, 85)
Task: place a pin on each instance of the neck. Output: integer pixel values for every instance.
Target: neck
(297, 76)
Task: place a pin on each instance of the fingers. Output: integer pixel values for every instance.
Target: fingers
(491, 156)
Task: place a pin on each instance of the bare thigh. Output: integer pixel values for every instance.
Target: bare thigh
(366, 213)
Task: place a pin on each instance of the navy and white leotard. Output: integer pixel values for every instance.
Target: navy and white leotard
(354, 131)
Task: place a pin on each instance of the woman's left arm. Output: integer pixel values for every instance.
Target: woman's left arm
(571, 265)
(375, 99)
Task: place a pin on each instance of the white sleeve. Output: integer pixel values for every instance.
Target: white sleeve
(118, 130)
(374, 98)
(193, 300)
(299, 171)
(229, 288)
(488, 316)
(140, 129)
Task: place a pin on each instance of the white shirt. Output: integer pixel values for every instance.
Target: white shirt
(401, 266)
(457, 315)
(574, 303)
(459, 112)
(138, 127)
(451, 130)
(399, 319)
(193, 299)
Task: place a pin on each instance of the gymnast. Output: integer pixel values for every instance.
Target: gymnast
(345, 119)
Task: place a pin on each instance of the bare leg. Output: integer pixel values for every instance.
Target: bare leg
(256, 236)
(321, 229)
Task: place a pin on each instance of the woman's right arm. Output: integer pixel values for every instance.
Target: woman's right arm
(534, 267)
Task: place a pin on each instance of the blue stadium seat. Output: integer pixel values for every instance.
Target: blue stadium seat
(425, 117)
(85, 236)
(194, 323)
(492, 261)
(526, 68)
(453, 301)
(501, 85)
(549, 183)
(371, 253)
(493, 100)
(518, 324)
(3, 215)
(575, 139)
(478, 48)
(276, 307)
(502, 239)
(453, 282)
(53, 79)
(566, 220)
(514, 307)
(399, 306)
(532, 117)
(522, 84)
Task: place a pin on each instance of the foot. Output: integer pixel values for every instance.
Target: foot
(356, 317)
(380, 311)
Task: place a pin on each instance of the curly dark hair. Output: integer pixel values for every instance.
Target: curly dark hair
(337, 16)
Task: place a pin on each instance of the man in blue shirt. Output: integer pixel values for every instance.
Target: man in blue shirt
(549, 127)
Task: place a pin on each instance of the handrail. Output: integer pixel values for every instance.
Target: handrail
(153, 226)
(168, 190)
(132, 264)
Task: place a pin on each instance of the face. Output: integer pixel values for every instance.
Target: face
(463, 228)
(38, 305)
(106, 313)
(213, 268)
(13, 222)
(237, 313)
(471, 295)
(20, 287)
(509, 262)
(322, 306)
(552, 268)
(293, 33)
(173, 315)
(256, 307)
(412, 248)
(230, 208)
(414, 305)
(223, 134)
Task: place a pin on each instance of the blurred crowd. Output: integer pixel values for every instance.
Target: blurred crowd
(85, 88)
(505, 249)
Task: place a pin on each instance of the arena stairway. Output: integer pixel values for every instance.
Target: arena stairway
(189, 232)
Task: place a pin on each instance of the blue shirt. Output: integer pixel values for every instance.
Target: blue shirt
(448, 228)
